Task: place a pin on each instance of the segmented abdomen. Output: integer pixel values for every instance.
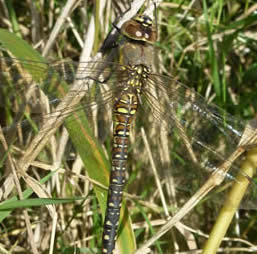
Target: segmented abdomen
(124, 110)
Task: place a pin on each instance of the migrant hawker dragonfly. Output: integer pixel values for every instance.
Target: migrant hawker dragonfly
(203, 134)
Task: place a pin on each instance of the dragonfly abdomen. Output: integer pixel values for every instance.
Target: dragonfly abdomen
(124, 111)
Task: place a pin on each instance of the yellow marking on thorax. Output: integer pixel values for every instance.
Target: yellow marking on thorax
(122, 110)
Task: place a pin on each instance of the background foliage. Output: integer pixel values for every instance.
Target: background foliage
(210, 46)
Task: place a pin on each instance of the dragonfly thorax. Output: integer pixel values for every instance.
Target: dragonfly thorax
(140, 70)
(138, 74)
(136, 54)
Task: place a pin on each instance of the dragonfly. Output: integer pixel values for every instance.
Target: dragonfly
(132, 91)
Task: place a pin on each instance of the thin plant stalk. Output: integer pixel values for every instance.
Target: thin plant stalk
(231, 204)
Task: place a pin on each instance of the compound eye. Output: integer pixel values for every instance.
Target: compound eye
(140, 29)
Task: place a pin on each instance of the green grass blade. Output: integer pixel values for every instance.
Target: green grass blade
(13, 18)
(212, 55)
(31, 202)
(27, 193)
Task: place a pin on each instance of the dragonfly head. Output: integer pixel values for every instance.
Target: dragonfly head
(140, 28)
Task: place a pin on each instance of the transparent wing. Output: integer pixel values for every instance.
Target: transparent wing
(25, 86)
(200, 137)
(174, 103)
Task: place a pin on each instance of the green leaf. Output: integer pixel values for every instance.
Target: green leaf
(26, 203)
(212, 55)
(26, 194)
(18, 47)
